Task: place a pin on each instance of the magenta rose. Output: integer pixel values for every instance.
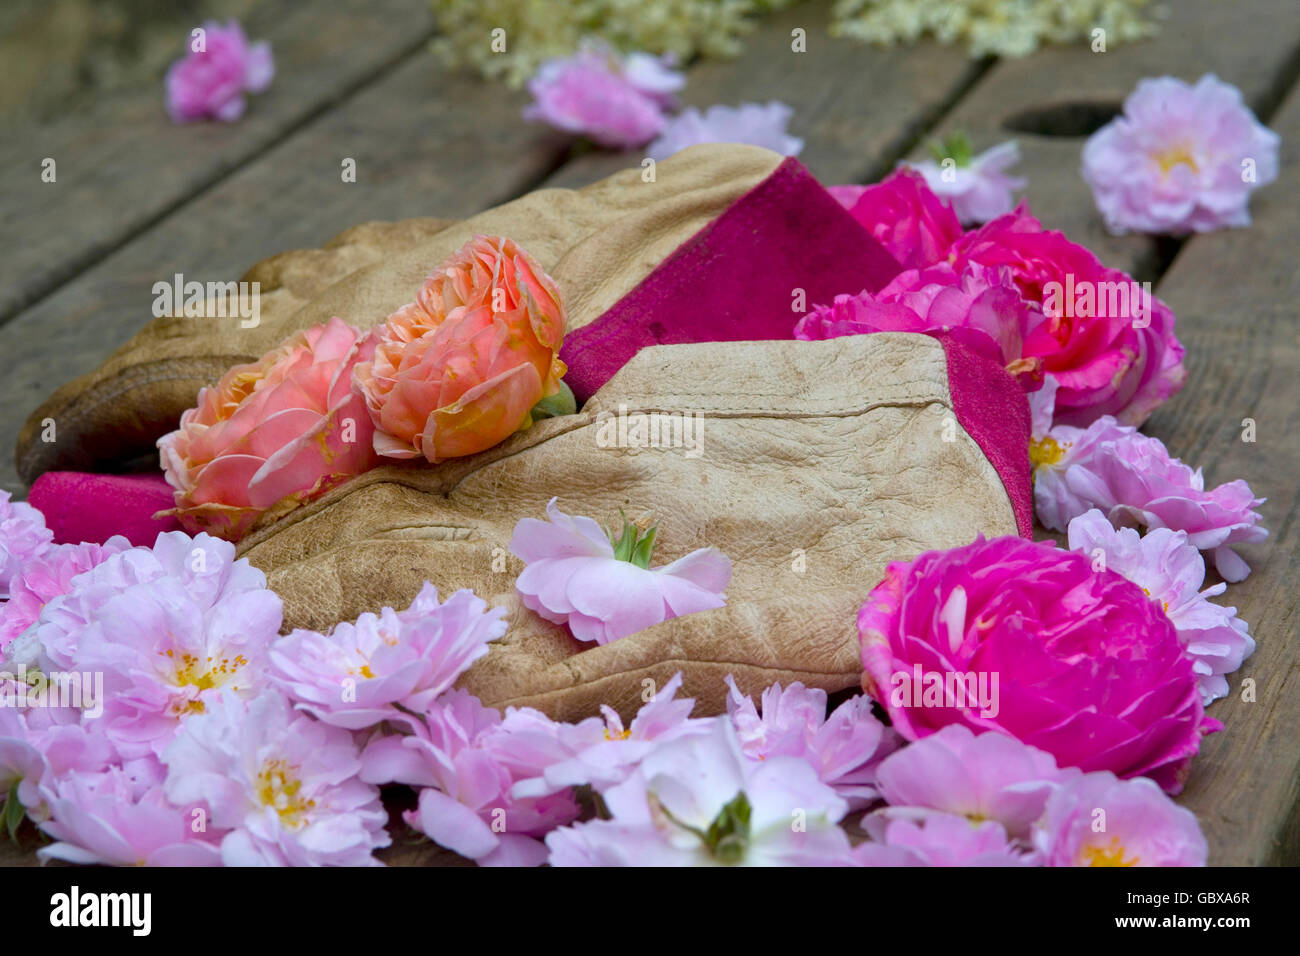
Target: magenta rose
(1028, 639)
(907, 218)
(980, 306)
(1107, 341)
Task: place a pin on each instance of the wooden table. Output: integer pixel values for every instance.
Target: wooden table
(137, 199)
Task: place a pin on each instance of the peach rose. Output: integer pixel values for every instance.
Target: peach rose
(458, 370)
(272, 434)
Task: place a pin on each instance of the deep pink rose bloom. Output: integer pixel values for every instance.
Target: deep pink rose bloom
(272, 434)
(981, 305)
(908, 219)
(1182, 158)
(1109, 355)
(211, 84)
(1073, 661)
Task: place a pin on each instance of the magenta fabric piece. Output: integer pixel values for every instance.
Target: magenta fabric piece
(735, 279)
(84, 507)
(991, 406)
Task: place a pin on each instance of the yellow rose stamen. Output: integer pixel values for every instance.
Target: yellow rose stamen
(1111, 855)
(278, 788)
(1046, 451)
(1175, 156)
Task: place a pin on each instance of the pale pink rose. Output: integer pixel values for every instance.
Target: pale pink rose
(459, 369)
(600, 751)
(908, 219)
(938, 839)
(618, 102)
(467, 802)
(699, 801)
(166, 656)
(46, 744)
(21, 763)
(844, 748)
(168, 627)
(284, 786)
(45, 578)
(23, 537)
(1171, 572)
(988, 776)
(980, 305)
(980, 189)
(1030, 640)
(574, 578)
(385, 664)
(102, 818)
(211, 83)
(1141, 826)
(1109, 344)
(272, 434)
(1133, 480)
(1181, 158)
(758, 124)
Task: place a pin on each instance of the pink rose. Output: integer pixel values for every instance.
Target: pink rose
(978, 187)
(617, 101)
(1176, 160)
(210, 83)
(603, 591)
(459, 369)
(982, 305)
(1132, 478)
(1143, 827)
(272, 434)
(915, 225)
(1106, 340)
(1027, 639)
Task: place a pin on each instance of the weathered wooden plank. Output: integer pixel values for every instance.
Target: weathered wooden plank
(122, 164)
(858, 108)
(1251, 43)
(1234, 293)
(424, 143)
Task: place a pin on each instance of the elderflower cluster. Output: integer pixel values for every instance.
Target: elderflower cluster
(999, 27)
(538, 30)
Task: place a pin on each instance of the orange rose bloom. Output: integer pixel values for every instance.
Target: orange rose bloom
(458, 370)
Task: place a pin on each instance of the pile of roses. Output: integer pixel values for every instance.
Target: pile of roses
(1025, 704)
(213, 740)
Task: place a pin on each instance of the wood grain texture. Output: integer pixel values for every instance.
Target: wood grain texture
(122, 164)
(1235, 295)
(429, 144)
(425, 144)
(1252, 44)
(858, 108)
